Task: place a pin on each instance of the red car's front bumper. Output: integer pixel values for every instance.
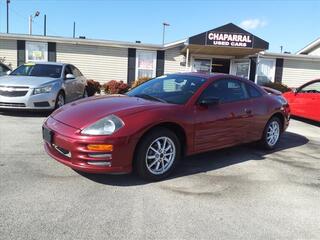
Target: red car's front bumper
(69, 147)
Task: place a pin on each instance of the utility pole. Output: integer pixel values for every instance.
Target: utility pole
(74, 29)
(45, 25)
(164, 31)
(8, 2)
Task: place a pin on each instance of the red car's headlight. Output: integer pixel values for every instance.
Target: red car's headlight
(104, 126)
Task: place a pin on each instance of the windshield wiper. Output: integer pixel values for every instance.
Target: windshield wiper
(146, 96)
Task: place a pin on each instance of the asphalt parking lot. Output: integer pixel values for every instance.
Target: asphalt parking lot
(236, 193)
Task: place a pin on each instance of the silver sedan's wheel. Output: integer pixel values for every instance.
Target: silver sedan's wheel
(60, 100)
(160, 155)
(85, 93)
(273, 133)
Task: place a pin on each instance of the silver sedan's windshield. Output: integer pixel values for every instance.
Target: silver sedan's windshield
(173, 88)
(38, 70)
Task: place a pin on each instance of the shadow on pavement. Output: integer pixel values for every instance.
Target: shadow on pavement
(205, 162)
(24, 113)
(311, 122)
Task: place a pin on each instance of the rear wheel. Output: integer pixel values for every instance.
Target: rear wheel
(60, 101)
(157, 154)
(85, 93)
(271, 133)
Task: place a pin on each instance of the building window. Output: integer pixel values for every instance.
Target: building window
(201, 65)
(146, 64)
(265, 70)
(240, 68)
(36, 51)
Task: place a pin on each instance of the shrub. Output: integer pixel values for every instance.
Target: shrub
(93, 87)
(140, 81)
(278, 86)
(115, 87)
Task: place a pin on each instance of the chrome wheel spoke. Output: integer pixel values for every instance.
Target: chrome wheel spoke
(273, 133)
(160, 155)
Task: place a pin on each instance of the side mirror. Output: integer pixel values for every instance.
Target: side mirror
(70, 76)
(8, 72)
(209, 101)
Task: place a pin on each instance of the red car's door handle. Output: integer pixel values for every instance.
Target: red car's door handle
(248, 111)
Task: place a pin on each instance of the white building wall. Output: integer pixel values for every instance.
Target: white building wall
(298, 72)
(315, 52)
(99, 63)
(173, 58)
(8, 52)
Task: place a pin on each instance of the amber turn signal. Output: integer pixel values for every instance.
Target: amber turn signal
(100, 147)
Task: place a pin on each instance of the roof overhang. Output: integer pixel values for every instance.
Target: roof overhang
(228, 40)
(215, 50)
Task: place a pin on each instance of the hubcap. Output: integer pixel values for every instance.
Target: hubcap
(160, 155)
(60, 101)
(273, 133)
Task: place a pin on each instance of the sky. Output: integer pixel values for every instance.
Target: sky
(291, 24)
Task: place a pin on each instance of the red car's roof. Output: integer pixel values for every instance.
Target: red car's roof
(202, 75)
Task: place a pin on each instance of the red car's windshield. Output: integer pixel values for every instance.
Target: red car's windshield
(176, 89)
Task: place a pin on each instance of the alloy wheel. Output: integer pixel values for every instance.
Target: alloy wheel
(273, 133)
(60, 100)
(160, 155)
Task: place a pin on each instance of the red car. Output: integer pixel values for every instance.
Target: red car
(157, 123)
(305, 100)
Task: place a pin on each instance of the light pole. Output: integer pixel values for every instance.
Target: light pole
(164, 31)
(8, 2)
(31, 18)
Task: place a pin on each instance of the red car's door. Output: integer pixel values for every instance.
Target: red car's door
(306, 101)
(225, 123)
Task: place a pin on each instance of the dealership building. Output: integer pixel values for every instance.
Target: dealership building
(226, 49)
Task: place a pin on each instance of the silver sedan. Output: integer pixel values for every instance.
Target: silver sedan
(45, 85)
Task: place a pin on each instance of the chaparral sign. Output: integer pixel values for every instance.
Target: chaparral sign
(229, 39)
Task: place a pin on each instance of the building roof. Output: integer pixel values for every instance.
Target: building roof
(290, 56)
(86, 41)
(307, 49)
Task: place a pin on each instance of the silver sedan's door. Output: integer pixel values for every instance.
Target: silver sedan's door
(70, 85)
(80, 82)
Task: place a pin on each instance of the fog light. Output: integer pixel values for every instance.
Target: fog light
(100, 163)
(100, 147)
(100, 155)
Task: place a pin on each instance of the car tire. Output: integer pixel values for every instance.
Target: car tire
(85, 93)
(60, 100)
(157, 154)
(271, 134)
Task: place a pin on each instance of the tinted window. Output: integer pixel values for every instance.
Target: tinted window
(227, 90)
(173, 88)
(67, 70)
(76, 72)
(253, 92)
(38, 70)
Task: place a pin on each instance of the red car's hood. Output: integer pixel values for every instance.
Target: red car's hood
(84, 112)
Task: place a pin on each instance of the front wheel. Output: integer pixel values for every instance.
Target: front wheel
(271, 133)
(85, 93)
(157, 154)
(60, 101)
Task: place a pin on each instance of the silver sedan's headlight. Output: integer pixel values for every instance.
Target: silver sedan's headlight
(44, 89)
(104, 126)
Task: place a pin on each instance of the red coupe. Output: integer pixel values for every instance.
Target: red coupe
(157, 123)
(305, 100)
